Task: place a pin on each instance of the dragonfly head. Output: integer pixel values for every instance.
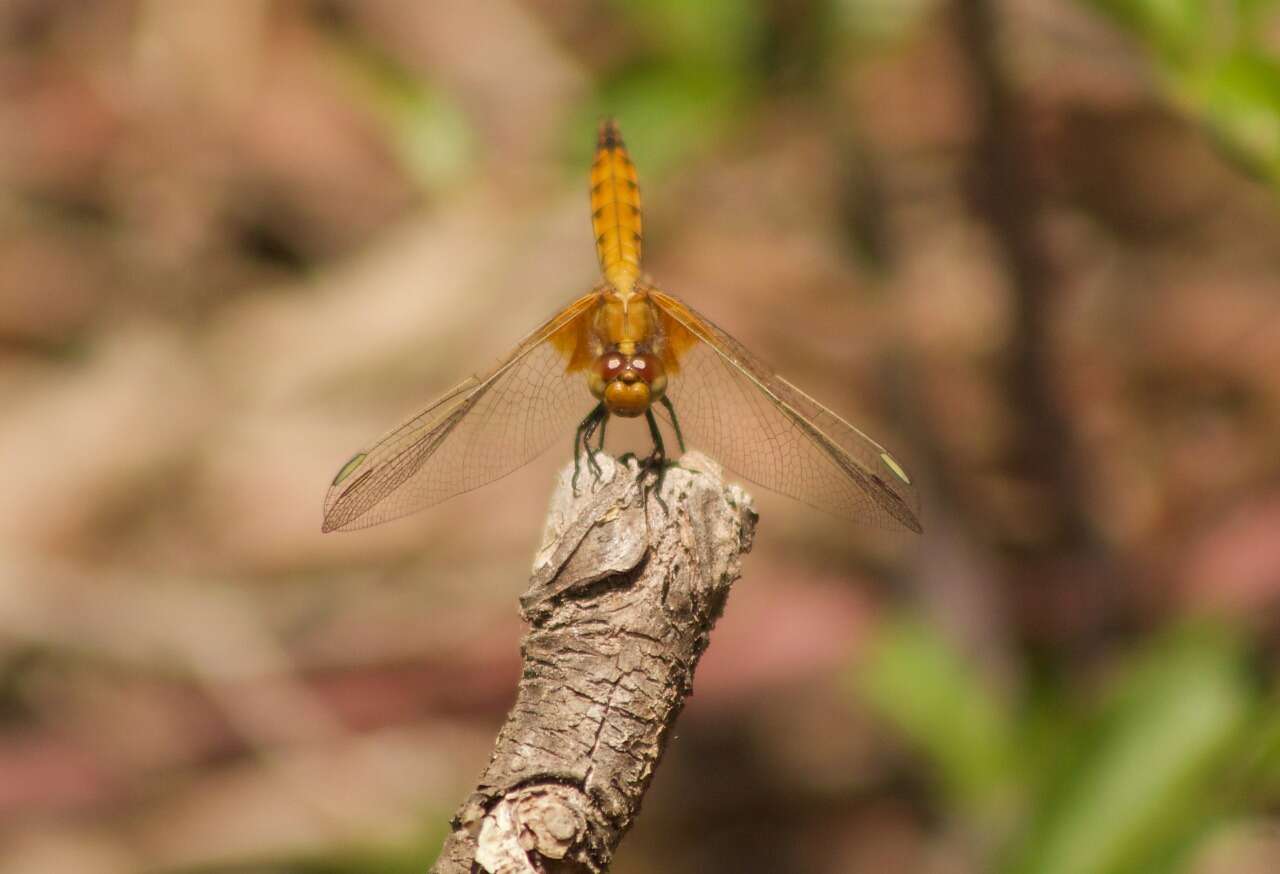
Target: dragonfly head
(627, 384)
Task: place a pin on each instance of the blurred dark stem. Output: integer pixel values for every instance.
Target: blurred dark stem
(1006, 198)
(28, 25)
(864, 203)
(795, 44)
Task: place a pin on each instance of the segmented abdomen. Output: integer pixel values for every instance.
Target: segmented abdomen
(615, 207)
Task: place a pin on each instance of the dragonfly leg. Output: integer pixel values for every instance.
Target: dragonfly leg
(586, 428)
(597, 422)
(659, 455)
(604, 420)
(658, 458)
(675, 422)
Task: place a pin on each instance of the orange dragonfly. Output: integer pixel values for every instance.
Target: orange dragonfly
(629, 346)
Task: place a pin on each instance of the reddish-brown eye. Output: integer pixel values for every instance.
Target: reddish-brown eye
(611, 366)
(646, 366)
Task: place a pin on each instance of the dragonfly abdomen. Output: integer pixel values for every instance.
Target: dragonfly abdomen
(615, 209)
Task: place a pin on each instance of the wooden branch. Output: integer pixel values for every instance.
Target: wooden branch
(625, 591)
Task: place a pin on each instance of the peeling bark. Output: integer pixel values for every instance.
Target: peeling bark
(625, 590)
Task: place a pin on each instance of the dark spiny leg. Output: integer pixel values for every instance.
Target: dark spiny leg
(597, 422)
(659, 455)
(580, 439)
(658, 458)
(604, 421)
(577, 442)
(675, 422)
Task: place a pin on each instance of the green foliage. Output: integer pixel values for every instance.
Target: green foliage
(424, 127)
(1143, 777)
(687, 76)
(879, 21)
(712, 33)
(1129, 780)
(1217, 64)
(666, 111)
(938, 701)
(1240, 100)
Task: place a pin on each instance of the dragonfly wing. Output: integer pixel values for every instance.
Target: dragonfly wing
(734, 407)
(480, 431)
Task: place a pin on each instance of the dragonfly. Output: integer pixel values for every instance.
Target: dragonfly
(627, 349)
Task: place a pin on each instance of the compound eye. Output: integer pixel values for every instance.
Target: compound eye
(611, 366)
(646, 366)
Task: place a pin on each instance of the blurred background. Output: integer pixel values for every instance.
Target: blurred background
(1031, 245)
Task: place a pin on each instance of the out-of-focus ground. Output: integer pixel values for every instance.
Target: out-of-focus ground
(1037, 253)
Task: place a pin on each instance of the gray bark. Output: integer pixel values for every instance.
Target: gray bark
(625, 590)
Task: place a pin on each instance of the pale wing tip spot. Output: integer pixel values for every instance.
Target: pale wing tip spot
(893, 465)
(349, 467)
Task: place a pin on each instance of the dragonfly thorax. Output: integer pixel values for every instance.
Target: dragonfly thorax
(627, 383)
(622, 281)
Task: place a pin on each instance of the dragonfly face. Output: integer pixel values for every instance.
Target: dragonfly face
(628, 384)
(635, 349)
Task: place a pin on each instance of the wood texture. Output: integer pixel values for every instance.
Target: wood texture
(621, 604)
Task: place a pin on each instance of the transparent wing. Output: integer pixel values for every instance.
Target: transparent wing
(735, 408)
(480, 431)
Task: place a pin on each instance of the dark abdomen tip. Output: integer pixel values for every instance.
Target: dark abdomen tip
(610, 136)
